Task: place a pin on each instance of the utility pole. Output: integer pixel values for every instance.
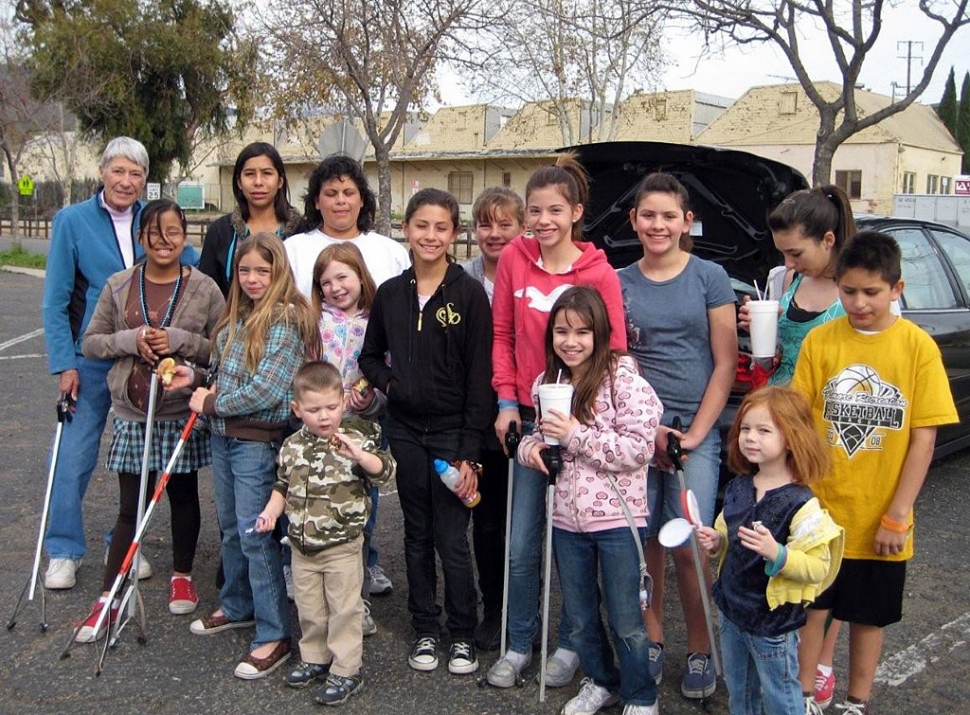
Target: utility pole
(909, 59)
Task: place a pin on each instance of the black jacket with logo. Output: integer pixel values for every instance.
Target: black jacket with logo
(440, 371)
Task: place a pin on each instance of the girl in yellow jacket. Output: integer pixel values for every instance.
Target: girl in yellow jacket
(777, 550)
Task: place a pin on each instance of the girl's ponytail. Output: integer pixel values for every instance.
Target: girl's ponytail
(845, 227)
(570, 177)
(816, 211)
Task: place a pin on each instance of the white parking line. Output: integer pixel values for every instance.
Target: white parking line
(913, 660)
(21, 339)
(21, 357)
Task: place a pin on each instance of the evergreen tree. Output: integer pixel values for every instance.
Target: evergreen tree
(963, 123)
(947, 108)
(167, 72)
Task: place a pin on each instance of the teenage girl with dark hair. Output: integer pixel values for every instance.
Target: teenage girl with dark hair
(809, 228)
(262, 205)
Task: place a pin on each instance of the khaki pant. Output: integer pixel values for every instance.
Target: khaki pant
(326, 588)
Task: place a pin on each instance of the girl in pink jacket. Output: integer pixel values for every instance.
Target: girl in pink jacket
(607, 442)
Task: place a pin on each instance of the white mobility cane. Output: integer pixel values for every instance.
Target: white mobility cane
(64, 405)
(691, 512)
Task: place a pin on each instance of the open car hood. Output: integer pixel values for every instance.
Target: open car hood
(731, 194)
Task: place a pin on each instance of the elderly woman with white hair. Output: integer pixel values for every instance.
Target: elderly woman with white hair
(90, 241)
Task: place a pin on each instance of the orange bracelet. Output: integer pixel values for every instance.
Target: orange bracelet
(890, 524)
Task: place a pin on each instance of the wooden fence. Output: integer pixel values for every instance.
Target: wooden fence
(464, 247)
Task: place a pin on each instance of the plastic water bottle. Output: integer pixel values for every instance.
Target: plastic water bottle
(450, 476)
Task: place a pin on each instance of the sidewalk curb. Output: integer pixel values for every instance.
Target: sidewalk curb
(35, 272)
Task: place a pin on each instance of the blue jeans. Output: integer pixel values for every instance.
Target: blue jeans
(371, 554)
(525, 557)
(243, 473)
(80, 441)
(700, 474)
(761, 672)
(581, 559)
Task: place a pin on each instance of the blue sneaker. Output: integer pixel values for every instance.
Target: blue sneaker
(699, 681)
(656, 653)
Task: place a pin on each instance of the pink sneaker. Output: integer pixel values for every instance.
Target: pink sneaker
(182, 598)
(824, 688)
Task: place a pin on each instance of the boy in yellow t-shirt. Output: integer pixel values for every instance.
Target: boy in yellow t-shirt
(878, 391)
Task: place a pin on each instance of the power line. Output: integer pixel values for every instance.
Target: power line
(909, 59)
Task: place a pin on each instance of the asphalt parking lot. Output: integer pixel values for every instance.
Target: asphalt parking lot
(925, 666)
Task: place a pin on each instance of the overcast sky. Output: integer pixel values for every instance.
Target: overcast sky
(738, 69)
(732, 73)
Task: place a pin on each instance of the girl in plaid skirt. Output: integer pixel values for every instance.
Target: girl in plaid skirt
(155, 309)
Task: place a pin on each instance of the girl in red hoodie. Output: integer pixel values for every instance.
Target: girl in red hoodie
(532, 273)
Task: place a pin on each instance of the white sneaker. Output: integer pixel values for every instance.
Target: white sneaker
(61, 573)
(642, 709)
(380, 584)
(288, 581)
(561, 668)
(591, 699)
(370, 628)
(506, 671)
(144, 568)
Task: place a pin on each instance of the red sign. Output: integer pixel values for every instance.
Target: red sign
(961, 186)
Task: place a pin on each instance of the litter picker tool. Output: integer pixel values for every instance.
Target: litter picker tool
(64, 404)
(691, 510)
(551, 458)
(132, 604)
(512, 438)
(511, 445)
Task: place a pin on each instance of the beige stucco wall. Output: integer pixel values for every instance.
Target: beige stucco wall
(410, 176)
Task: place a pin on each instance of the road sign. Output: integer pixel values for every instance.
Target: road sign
(961, 186)
(153, 191)
(25, 187)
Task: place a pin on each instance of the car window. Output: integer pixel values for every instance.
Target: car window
(927, 286)
(956, 246)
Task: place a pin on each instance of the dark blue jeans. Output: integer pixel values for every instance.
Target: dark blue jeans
(434, 520)
(581, 558)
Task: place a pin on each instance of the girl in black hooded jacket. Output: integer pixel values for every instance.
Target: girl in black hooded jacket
(434, 323)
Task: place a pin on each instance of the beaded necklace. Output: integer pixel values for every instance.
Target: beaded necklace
(171, 301)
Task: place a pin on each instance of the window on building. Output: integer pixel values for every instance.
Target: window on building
(945, 184)
(660, 110)
(909, 182)
(788, 104)
(932, 183)
(850, 182)
(460, 186)
(506, 179)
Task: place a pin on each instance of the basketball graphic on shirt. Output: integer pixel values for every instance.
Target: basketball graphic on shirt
(859, 405)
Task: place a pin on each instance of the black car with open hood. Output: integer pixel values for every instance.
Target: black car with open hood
(731, 193)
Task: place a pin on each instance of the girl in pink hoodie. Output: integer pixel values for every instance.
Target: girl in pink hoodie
(532, 273)
(606, 443)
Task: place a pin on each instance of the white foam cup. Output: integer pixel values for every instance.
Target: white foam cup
(555, 396)
(764, 327)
